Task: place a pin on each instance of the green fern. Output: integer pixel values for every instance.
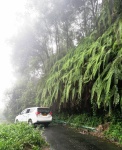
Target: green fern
(99, 62)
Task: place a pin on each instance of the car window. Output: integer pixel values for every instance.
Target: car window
(24, 111)
(28, 111)
(45, 110)
(31, 110)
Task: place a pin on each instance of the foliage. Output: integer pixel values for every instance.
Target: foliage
(20, 97)
(86, 120)
(97, 62)
(115, 132)
(20, 137)
(79, 120)
(42, 39)
(79, 79)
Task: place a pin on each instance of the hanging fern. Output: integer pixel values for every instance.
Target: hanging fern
(98, 62)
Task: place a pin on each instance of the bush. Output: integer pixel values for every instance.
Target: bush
(84, 119)
(20, 137)
(115, 132)
(80, 120)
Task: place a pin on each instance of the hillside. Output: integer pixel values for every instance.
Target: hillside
(89, 77)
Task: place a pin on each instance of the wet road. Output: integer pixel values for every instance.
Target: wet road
(63, 138)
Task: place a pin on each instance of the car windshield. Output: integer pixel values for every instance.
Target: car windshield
(45, 110)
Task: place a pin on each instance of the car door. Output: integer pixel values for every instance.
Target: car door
(21, 116)
(24, 115)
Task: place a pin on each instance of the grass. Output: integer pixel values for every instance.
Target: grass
(20, 137)
(114, 132)
(79, 120)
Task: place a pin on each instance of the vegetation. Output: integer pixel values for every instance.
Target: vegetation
(57, 30)
(115, 132)
(20, 136)
(94, 66)
(78, 121)
(70, 58)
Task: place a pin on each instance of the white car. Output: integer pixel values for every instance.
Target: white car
(35, 115)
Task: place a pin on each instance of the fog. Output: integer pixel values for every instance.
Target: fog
(32, 33)
(8, 27)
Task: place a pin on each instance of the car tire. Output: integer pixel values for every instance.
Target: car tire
(30, 122)
(46, 125)
(17, 121)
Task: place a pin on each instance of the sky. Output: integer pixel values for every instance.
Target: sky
(8, 27)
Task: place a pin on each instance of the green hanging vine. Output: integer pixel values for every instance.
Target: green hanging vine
(99, 62)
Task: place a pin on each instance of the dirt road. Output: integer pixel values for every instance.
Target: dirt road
(62, 138)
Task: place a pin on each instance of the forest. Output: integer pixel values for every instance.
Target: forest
(68, 56)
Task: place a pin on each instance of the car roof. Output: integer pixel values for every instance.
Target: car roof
(36, 107)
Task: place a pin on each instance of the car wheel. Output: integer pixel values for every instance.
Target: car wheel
(17, 121)
(35, 125)
(46, 125)
(30, 122)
